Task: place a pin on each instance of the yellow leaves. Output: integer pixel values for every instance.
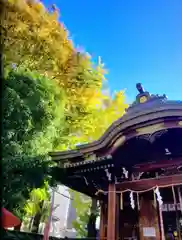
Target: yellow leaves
(108, 111)
(16, 2)
(30, 208)
(93, 99)
(38, 194)
(20, 27)
(41, 43)
(37, 20)
(38, 6)
(43, 33)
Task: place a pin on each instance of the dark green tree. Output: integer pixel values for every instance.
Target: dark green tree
(33, 122)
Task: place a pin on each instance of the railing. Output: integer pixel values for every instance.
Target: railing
(16, 235)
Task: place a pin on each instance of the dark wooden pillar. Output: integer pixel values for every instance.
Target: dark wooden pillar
(103, 220)
(111, 224)
(117, 216)
(148, 219)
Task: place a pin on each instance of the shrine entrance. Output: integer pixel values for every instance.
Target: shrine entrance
(128, 219)
(150, 214)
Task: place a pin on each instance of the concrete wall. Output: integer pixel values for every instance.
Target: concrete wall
(63, 214)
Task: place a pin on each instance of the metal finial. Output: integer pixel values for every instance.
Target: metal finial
(140, 88)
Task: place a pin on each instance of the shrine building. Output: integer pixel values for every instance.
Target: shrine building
(134, 170)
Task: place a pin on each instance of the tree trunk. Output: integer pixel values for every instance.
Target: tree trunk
(91, 226)
(37, 218)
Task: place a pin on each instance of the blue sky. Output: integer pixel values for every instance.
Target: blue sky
(138, 40)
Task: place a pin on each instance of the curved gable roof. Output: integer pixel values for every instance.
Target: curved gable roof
(146, 108)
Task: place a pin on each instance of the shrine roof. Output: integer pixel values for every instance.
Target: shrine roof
(145, 109)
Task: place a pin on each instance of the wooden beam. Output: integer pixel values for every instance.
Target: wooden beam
(146, 184)
(111, 223)
(149, 166)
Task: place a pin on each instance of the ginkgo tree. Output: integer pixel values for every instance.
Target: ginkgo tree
(54, 95)
(35, 38)
(42, 43)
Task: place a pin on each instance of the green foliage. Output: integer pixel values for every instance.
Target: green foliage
(82, 205)
(36, 196)
(38, 203)
(32, 123)
(33, 113)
